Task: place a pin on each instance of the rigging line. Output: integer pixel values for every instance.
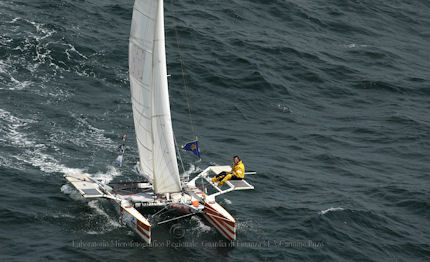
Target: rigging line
(179, 154)
(177, 148)
(186, 89)
(176, 218)
(158, 212)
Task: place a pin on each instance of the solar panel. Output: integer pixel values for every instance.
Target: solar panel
(91, 192)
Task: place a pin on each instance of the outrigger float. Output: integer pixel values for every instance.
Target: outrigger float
(162, 186)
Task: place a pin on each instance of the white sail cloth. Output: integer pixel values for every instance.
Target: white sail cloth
(150, 96)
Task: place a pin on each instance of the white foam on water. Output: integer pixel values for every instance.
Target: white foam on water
(227, 201)
(331, 209)
(13, 129)
(192, 169)
(95, 205)
(14, 20)
(62, 215)
(35, 156)
(68, 189)
(7, 68)
(90, 135)
(108, 176)
(283, 108)
(212, 163)
(46, 163)
(73, 49)
(34, 153)
(354, 45)
(9, 129)
(38, 42)
(94, 232)
(41, 28)
(10, 134)
(202, 227)
(5, 161)
(249, 225)
(3, 67)
(19, 85)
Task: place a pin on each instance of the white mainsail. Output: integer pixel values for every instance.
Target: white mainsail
(150, 96)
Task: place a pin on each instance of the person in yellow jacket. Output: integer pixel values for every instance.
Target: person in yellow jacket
(237, 172)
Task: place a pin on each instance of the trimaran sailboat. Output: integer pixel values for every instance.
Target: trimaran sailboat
(163, 187)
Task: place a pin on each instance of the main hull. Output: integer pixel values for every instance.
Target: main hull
(134, 220)
(220, 219)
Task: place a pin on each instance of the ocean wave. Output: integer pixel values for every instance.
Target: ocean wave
(328, 100)
(14, 132)
(354, 45)
(381, 86)
(331, 209)
(11, 130)
(7, 71)
(90, 135)
(37, 51)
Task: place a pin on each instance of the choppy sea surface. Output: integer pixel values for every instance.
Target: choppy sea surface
(328, 101)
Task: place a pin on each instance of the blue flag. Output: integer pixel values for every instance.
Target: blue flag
(192, 146)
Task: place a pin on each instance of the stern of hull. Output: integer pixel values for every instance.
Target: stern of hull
(220, 219)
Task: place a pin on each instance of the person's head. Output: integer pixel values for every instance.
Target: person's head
(236, 159)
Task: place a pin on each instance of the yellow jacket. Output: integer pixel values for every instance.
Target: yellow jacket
(238, 170)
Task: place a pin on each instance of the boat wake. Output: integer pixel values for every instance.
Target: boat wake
(107, 177)
(95, 205)
(198, 227)
(98, 213)
(72, 192)
(46, 154)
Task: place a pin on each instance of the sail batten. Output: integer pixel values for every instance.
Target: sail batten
(150, 96)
